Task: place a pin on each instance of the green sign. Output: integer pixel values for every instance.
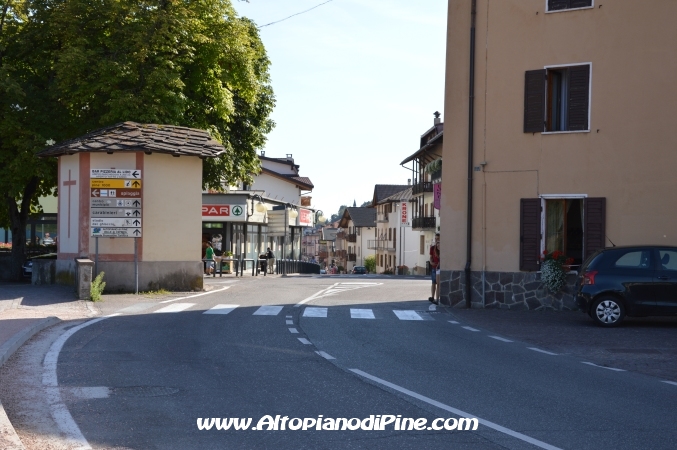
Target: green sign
(237, 211)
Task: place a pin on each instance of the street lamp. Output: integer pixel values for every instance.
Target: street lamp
(260, 206)
(319, 216)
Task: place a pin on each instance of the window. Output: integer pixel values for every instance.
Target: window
(422, 245)
(575, 226)
(560, 5)
(390, 234)
(640, 259)
(668, 259)
(557, 99)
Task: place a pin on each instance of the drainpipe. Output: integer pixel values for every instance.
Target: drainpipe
(471, 129)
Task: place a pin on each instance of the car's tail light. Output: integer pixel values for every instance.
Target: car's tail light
(589, 277)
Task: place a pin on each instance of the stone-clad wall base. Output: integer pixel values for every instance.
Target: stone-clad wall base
(506, 290)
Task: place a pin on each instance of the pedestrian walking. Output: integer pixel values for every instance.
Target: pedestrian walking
(209, 257)
(435, 270)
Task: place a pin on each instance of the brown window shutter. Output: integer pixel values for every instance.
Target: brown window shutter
(554, 5)
(530, 234)
(534, 101)
(580, 3)
(594, 233)
(579, 95)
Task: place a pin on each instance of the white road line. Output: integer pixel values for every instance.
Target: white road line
(325, 355)
(500, 339)
(293, 331)
(221, 309)
(458, 412)
(176, 307)
(541, 351)
(268, 310)
(367, 284)
(454, 322)
(136, 308)
(361, 313)
(314, 296)
(59, 411)
(670, 382)
(289, 322)
(288, 317)
(196, 295)
(470, 328)
(603, 367)
(315, 312)
(304, 341)
(336, 288)
(407, 315)
(432, 307)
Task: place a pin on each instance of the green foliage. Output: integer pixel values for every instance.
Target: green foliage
(370, 263)
(71, 66)
(337, 216)
(97, 287)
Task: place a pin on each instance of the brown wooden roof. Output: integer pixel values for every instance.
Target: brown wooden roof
(134, 137)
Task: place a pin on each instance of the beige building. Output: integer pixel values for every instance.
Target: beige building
(358, 223)
(572, 143)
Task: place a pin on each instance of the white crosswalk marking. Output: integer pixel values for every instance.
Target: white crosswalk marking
(221, 309)
(176, 307)
(361, 313)
(315, 312)
(407, 315)
(268, 311)
(335, 289)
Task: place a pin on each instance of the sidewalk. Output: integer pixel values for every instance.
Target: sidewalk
(25, 310)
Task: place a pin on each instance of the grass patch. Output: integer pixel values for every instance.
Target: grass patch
(97, 287)
(157, 293)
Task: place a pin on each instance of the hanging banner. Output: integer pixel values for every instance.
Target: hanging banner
(305, 218)
(437, 191)
(404, 213)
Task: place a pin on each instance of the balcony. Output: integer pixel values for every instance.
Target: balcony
(341, 235)
(420, 188)
(351, 237)
(352, 257)
(341, 254)
(424, 223)
(381, 244)
(382, 218)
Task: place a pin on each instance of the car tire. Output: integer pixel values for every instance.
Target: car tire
(607, 311)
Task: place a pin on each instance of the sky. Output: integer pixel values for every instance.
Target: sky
(356, 85)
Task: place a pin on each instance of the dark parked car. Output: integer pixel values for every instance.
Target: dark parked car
(360, 270)
(633, 281)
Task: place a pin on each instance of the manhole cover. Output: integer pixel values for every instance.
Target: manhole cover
(640, 351)
(144, 391)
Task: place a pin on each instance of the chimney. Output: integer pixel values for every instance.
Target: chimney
(408, 181)
(263, 153)
(437, 120)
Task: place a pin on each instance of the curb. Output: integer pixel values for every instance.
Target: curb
(9, 440)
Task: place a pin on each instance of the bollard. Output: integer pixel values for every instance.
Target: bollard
(83, 283)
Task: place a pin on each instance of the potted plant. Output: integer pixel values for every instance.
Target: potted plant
(554, 268)
(226, 265)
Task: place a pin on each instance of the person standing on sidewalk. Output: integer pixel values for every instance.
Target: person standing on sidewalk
(209, 257)
(435, 269)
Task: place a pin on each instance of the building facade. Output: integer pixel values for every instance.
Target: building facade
(567, 145)
(394, 240)
(358, 224)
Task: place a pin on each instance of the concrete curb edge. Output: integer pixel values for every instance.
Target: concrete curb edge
(9, 440)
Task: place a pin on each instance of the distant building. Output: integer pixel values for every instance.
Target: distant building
(358, 223)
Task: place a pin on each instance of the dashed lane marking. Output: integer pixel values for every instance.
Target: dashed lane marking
(293, 331)
(325, 355)
(471, 329)
(289, 322)
(541, 351)
(458, 412)
(454, 322)
(176, 307)
(498, 338)
(407, 315)
(221, 309)
(304, 341)
(603, 367)
(670, 382)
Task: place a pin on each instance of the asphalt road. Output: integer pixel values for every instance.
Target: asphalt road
(356, 347)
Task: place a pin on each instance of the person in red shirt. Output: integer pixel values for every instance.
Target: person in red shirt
(435, 268)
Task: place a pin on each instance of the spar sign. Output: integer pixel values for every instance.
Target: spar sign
(224, 213)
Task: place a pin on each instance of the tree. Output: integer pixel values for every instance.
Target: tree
(370, 263)
(337, 216)
(71, 66)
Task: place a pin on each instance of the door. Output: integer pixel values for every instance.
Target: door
(633, 269)
(666, 281)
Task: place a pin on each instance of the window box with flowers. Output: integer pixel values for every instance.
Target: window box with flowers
(554, 269)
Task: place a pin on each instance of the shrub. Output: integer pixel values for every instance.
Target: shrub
(97, 287)
(370, 263)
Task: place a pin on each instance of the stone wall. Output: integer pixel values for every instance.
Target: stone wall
(506, 290)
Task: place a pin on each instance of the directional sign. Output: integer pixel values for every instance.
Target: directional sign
(112, 222)
(114, 184)
(117, 232)
(116, 193)
(115, 173)
(116, 212)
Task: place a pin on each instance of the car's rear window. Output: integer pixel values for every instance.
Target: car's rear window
(635, 259)
(592, 261)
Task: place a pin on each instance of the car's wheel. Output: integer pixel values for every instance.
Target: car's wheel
(607, 311)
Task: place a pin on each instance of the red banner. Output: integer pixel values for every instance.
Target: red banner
(215, 210)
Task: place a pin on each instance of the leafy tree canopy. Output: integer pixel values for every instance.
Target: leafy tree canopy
(70, 66)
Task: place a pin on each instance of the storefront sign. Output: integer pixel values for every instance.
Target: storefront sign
(305, 217)
(224, 213)
(404, 213)
(215, 210)
(437, 191)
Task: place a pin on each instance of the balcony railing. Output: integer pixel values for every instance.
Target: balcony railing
(341, 235)
(424, 223)
(382, 218)
(380, 244)
(352, 257)
(351, 237)
(420, 188)
(341, 254)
